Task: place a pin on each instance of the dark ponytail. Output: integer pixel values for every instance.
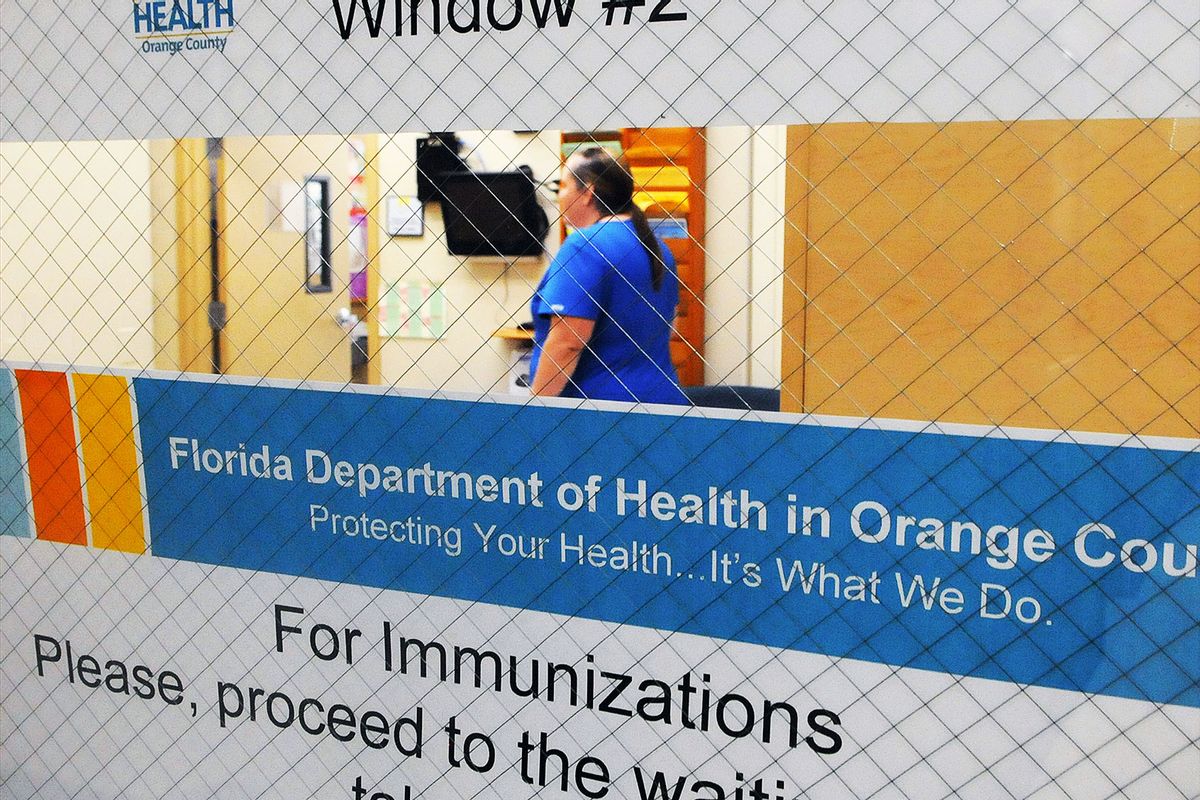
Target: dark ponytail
(612, 188)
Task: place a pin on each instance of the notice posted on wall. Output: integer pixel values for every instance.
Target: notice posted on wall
(247, 590)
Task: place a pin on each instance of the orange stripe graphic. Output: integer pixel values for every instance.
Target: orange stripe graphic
(114, 493)
(53, 462)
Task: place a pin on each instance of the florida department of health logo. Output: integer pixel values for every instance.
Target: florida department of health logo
(172, 26)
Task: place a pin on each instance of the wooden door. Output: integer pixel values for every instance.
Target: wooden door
(281, 303)
(1038, 274)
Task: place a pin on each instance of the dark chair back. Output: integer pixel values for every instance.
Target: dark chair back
(743, 398)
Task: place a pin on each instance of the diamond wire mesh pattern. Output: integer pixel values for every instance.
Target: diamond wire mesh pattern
(1036, 268)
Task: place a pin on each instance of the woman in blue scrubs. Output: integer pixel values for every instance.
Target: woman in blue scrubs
(603, 311)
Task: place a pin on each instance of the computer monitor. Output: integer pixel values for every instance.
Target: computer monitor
(493, 214)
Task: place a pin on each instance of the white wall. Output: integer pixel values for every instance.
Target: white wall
(744, 264)
(75, 254)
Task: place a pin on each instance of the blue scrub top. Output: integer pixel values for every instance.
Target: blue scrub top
(602, 272)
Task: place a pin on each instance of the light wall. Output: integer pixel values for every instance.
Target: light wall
(744, 254)
(75, 254)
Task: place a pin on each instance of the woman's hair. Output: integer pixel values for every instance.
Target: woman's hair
(612, 188)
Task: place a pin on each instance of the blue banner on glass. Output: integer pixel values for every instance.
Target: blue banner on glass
(1049, 563)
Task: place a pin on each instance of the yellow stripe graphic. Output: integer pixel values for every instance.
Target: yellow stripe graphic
(110, 462)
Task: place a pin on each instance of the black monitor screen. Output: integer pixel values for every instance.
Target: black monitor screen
(492, 214)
